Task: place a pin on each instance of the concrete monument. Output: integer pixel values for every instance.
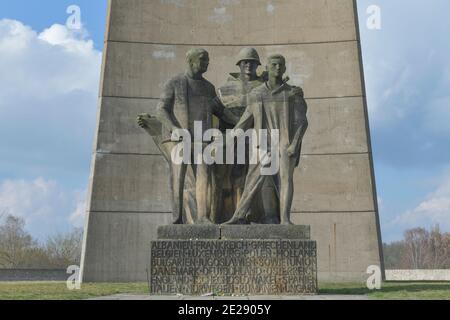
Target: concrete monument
(130, 195)
(202, 258)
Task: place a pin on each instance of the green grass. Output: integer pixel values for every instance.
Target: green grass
(59, 291)
(392, 290)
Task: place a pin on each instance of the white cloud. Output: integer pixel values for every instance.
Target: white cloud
(48, 103)
(434, 209)
(78, 216)
(56, 61)
(44, 204)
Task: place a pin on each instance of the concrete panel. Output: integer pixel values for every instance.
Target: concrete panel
(265, 231)
(118, 130)
(117, 245)
(328, 183)
(139, 183)
(189, 232)
(130, 183)
(323, 70)
(336, 126)
(232, 21)
(340, 257)
(418, 275)
(15, 275)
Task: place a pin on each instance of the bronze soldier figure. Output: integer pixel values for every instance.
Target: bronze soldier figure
(231, 177)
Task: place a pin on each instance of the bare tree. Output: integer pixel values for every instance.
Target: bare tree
(65, 249)
(420, 249)
(14, 242)
(416, 245)
(438, 249)
(19, 250)
(3, 213)
(446, 244)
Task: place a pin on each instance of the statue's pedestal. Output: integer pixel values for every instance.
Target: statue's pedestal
(233, 260)
(233, 232)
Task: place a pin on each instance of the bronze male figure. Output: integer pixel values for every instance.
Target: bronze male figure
(274, 105)
(186, 99)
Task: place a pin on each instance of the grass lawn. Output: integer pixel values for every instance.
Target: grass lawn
(393, 290)
(59, 291)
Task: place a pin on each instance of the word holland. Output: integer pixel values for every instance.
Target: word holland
(208, 147)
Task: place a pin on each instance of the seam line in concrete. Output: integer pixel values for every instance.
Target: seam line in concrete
(303, 154)
(336, 211)
(310, 98)
(233, 45)
(128, 211)
(158, 212)
(128, 153)
(333, 153)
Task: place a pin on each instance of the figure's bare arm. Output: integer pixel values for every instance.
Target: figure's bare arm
(223, 113)
(165, 108)
(294, 148)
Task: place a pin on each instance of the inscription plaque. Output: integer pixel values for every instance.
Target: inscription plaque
(240, 267)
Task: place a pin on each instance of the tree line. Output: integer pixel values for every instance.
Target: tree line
(19, 250)
(419, 249)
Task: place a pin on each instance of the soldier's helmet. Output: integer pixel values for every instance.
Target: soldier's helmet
(248, 54)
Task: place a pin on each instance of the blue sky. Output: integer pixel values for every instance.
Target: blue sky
(48, 106)
(42, 14)
(407, 69)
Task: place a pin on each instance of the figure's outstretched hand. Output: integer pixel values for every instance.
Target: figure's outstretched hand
(143, 119)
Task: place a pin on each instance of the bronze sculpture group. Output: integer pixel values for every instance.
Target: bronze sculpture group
(237, 192)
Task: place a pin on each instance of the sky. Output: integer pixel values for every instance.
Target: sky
(49, 84)
(407, 72)
(48, 104)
